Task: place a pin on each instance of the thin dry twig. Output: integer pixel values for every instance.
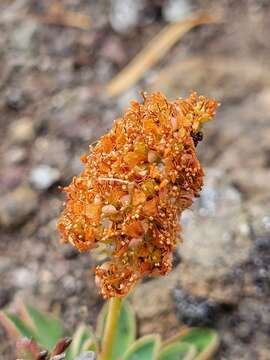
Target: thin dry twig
(156, 49)
(57, 15)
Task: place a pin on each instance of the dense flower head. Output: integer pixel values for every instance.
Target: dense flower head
(137, 180)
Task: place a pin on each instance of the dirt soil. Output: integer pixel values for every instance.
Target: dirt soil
(53, 105)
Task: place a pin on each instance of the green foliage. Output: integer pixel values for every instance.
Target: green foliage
(35, 325)
(83, 340)
(47, 328)
(15, 326)
(145, 348)
(177, 351)
(198, 343)
(191, 344)
(126, 329)
(44, 331)
(34, 330)
(206, 342)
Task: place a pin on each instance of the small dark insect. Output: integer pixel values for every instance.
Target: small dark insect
(197, 137)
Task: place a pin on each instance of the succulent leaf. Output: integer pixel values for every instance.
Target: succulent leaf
(146, 348)
(177, 351)
(15, 327)
(206, 341)
(48, 329)
(83, 338)
(90, 345)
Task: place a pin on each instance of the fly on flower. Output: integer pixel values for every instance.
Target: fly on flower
(137, 180)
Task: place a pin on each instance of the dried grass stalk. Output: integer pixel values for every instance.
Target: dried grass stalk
(155, 51)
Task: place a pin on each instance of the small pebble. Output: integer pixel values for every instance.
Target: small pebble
(23, 37)
(69, 284)
(16, 155)
(124, 14)
(44, 176)
(22, 130)
(23, 278)
(194, 311)
(15, 100)
(176, 10)
(17, 205)
(89, 355)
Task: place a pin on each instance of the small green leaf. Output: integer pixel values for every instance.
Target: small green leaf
(206, 341)
(15, 327)
(126, 329)
(81, 336)
(48, 328)
(146, 348)
(90, 345)
(177, 351)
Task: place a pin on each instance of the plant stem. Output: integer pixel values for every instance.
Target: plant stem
(110, 328)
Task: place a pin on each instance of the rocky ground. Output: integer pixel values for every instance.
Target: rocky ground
(53, 105)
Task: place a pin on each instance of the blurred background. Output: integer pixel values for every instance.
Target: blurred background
(67, 70)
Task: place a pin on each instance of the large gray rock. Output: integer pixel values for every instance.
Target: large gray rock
(216, 245)
(153, 300)
(216, 242)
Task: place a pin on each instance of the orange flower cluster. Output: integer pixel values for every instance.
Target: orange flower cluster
(137, 181)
